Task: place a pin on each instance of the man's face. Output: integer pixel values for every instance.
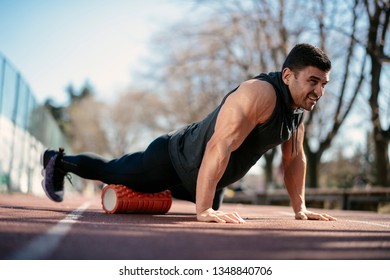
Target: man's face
(306, 87)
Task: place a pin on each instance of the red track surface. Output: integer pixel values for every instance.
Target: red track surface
(36, 228)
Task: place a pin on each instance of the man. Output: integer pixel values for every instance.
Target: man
(198, 161)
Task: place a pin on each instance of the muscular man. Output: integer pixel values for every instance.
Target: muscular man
(198, 161)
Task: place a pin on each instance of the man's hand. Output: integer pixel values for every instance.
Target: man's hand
(308, 215)
(210, 215)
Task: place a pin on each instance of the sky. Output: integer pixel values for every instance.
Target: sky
(56, 43)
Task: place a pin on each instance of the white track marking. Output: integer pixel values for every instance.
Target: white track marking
(369, 223)
(350, 221)
(42, 246)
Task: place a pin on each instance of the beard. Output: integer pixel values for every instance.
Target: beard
(310, 101)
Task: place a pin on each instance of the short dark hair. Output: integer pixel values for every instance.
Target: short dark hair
(304, 55)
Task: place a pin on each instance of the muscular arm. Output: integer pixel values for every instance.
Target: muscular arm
(294, 165)
(251, 104)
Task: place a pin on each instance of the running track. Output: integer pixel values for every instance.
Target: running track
(77, 229)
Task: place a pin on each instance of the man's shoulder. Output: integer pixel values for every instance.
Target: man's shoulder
(255, 97)
(258, 90)
(269, 77)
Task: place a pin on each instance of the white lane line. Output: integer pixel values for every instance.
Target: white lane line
(351, 221)
(369, 223)
(42, 246)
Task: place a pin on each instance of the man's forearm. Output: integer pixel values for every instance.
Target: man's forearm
(205, 192)
(294, 178)
(211, 170)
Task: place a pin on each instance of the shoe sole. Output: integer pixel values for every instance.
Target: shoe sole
(43, 173)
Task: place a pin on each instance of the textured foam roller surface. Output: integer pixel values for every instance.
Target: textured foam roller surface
(122, 199)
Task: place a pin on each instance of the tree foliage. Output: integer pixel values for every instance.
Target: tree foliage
(196, 62)
(239, 39)
(80, 120)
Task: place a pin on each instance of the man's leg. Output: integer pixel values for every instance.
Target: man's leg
(180, 192)
(148, 171)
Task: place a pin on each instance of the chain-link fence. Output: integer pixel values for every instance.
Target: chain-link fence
(26, 128)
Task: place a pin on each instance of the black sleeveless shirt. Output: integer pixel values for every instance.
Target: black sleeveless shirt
(187, 145)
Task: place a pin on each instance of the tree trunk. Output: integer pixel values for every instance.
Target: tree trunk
(381, 163)
(312, 169)
(268, 168)
(381, 144)
(379, 20)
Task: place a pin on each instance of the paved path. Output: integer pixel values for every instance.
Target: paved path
(36, 228)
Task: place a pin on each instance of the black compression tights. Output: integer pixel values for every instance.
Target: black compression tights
(147, 171)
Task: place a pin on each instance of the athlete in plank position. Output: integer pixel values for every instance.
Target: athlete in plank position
(198, 161)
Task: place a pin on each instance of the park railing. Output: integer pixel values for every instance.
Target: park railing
(368, 198)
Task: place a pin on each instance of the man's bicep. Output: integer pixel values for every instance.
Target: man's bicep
(232, 126)
(250, 105)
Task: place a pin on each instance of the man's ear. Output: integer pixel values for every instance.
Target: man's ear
(287, 75)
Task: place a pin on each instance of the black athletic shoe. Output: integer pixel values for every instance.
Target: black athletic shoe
(53, 176)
